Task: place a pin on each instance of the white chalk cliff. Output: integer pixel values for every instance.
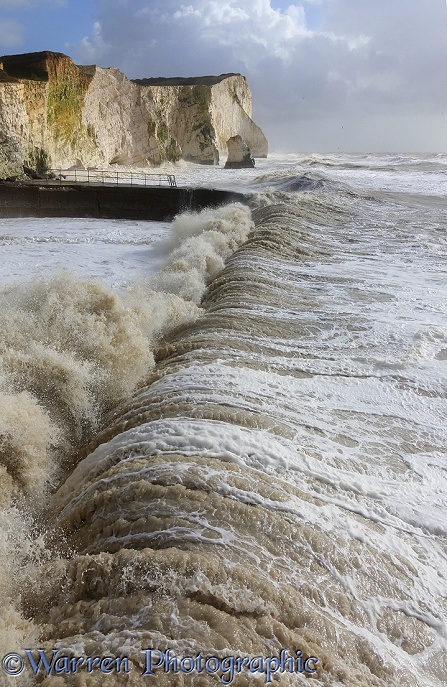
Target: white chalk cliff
(56, 113)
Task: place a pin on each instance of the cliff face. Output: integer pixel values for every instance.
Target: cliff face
(56, 113)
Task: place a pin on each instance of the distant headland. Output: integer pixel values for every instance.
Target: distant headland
(54, 113)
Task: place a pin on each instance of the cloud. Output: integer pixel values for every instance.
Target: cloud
(221, 32)
(360, 60)
(407, 52)
(94, 47)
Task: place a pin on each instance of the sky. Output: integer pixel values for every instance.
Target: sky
(326, 75)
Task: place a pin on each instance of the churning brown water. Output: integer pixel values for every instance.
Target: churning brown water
(274, 477)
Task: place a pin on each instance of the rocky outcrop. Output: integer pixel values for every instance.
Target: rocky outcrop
(54, 113)
(239, 154)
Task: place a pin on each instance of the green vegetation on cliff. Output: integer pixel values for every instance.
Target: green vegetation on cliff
(64, 109)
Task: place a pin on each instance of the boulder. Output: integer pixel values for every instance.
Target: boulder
(239, 154)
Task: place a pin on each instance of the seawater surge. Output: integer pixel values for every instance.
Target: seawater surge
(226, 508)
(70, 350)
(271, 480)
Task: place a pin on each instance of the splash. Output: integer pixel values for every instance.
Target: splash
(215, 511)
(200, 249)
(71, 350)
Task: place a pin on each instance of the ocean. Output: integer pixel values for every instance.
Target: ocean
(223, 441)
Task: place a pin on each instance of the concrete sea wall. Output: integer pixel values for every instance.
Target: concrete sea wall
(107, 201)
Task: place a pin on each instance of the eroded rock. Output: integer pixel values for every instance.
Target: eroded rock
(54, 113)
(239, 154)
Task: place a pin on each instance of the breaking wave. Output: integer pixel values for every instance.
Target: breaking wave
(257, 444)
(70, 350)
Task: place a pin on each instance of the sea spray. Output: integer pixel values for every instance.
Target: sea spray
(216, 514)
(200, 246)
(71, 349)
(276, 480)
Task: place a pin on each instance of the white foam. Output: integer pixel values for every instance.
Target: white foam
(348, 372)
(115, 251)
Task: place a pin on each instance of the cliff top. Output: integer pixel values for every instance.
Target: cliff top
(183, 80)
(32, 56)
(37, 65)
(31, 65)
